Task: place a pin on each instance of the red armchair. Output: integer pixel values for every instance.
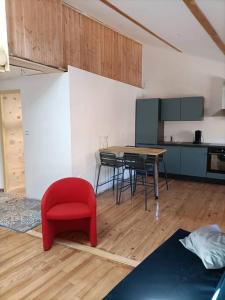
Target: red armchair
(69, 204)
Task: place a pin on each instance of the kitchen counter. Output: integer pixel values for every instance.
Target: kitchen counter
(190, 144)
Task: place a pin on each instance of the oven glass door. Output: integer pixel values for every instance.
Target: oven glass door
(216, 162)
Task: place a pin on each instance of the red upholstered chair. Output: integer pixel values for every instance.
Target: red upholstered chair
(69, 204)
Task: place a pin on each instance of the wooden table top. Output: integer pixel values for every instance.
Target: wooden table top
(134, 150)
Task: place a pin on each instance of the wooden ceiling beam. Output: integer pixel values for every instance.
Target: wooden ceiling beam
(122, 13)
(202, 19)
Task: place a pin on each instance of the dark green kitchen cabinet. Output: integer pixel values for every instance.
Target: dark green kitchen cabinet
(170, 109)
(148, 129)
(192, 109)
(172, 160)
(182, 109)
(193, 161)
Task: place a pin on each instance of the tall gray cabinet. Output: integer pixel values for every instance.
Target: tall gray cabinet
(149, 130)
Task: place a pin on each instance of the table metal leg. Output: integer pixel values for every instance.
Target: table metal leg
(157, 211)
(156, 177)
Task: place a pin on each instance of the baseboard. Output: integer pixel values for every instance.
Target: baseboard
(195, 178)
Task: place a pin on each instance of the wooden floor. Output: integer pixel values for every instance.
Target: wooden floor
(130, 231)
(26, 272)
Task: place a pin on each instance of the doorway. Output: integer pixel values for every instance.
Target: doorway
(12, 142)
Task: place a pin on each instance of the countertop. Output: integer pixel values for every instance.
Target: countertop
(191, 144)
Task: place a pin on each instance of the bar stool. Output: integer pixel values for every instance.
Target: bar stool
(136, 164)
(110, 160)
(150, 162)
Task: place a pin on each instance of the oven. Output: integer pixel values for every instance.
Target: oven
(216, 160)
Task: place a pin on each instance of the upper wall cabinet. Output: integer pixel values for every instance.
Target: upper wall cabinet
(35, 30)
(182, 109)
(192, 109)
(170, 109)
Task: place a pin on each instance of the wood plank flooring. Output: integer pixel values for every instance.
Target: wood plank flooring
(130, 231)
(26, 272)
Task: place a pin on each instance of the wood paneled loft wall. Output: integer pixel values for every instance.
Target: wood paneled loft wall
(53, 34)
(98, 49)
(35, 30)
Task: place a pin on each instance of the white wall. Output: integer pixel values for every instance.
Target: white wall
(168, 73)
(1, 161)
(46, 125)
(99, 107)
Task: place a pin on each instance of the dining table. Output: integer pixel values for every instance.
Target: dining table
(154, 153)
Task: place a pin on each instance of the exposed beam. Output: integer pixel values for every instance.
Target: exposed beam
(122, 13)
(202, 19)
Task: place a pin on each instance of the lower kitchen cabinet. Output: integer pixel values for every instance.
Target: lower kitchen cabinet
(172, 160)
(189, 161)
(193, 161)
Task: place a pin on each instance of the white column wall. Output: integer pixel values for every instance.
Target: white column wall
(46, 125)
(99, 107)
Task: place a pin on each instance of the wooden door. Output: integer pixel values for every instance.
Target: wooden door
(12, 142)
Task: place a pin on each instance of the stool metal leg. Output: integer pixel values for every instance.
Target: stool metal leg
(145, 184)
(154, 183)
(131, 182)
(165, 173)
(135, 182)
(113, 178)
(121, 187)
(99, 170)
(117, 185)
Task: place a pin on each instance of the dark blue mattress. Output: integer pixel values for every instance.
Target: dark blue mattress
(171, 272)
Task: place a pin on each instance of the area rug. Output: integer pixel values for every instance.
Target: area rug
(18, 213)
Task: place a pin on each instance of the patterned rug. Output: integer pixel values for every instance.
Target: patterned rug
(18, 213)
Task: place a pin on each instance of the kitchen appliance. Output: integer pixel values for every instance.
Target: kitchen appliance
(216, 160)
(198, 137)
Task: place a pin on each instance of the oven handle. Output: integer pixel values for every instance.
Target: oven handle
(216, 153)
